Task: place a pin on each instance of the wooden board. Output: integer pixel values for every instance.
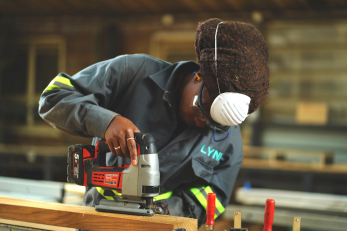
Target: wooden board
(299, 167)
(291, 160)
(33, 225)
(289, 155)
(81, 217)
(50, 151)
(312, 113)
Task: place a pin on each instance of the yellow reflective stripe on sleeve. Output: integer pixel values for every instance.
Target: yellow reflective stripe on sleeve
(101, 191)
(51, 87)
(201, 195)
(63, 80)
(219, 205)
(59, 80)
(163, 196)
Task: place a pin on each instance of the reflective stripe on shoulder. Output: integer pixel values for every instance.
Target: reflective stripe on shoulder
(201, 195)
(60, 82)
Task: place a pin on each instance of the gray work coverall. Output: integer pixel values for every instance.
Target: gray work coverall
(142, 89)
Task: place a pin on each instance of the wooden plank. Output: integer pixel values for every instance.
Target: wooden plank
(31, 84)
(296, 167)
(312, 113)
(151, 5)
(190, 5)
(280, 4)
(134, 6)
(33, 225)
(295, 200)
(31, 189)
(73, 194)
(82, 217)
(234, 5)
(289, 155)
(36, 150)
(211, 5)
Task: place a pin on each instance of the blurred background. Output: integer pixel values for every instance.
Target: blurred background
(296, 142)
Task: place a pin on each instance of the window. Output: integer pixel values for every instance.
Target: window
(32, 64)
(173, 46)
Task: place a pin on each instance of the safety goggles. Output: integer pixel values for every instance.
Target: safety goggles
(200, 112)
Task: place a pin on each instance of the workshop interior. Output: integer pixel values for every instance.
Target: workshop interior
(294, 145)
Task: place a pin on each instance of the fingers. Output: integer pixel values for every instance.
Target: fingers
(116, 150)
(131, 144)
(124, 146)
(111, 147)
(120, 138)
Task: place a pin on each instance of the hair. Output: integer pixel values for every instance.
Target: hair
(242, 57)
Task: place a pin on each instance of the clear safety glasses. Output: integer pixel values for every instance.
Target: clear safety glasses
(202, 115)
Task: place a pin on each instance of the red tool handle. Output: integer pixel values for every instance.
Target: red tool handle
(269, 214)
(211, 207)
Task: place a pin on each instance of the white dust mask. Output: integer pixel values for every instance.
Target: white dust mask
(230, 108)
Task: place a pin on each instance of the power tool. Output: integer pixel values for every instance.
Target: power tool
(131, 187)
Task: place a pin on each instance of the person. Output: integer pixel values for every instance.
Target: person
(192, 110)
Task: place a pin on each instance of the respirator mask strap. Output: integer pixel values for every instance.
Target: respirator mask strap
(229, 108)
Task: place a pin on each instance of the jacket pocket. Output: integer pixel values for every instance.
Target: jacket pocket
(202, 170)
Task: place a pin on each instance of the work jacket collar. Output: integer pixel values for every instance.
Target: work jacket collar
(167, 79)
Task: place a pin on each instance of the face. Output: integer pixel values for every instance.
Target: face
(191, 88)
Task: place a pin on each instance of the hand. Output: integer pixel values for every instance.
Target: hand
(165, 210)
(117, 135)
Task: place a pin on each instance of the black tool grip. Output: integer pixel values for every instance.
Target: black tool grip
(146, 143)
(103, 147)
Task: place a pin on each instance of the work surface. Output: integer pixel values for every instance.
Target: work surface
(81, 217)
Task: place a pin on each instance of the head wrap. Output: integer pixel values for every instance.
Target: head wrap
(242, 57)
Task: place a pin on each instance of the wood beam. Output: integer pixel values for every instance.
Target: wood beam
(304, 4)
(279, 3)
(58, 6)
(234, 4)
(134, 6)
(82, 217)
(191, 5)
(114, 5)
(49, 151)
(211, 5)
(152, 6)
(88, 7)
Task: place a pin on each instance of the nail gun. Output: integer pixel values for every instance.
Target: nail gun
(132, 188)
